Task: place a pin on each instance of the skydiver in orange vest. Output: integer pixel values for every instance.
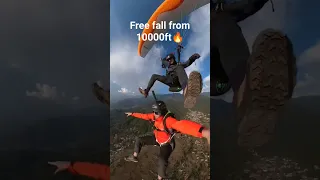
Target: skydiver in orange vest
(92, 170)
(166, 126)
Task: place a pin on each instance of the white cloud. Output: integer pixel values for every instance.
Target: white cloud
(308, 86)
(309, 61)
(314, 52)
(206, 84)
(130, 71)
(265, 19)
(310, 55)
(199, 41)
(306, 81)
(125, 91)
(43, 91)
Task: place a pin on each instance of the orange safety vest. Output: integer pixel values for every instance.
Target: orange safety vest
(162, 136)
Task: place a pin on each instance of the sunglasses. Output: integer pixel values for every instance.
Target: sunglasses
(156, 113)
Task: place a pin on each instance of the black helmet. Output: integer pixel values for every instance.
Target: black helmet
(170, 56)
(160, 108)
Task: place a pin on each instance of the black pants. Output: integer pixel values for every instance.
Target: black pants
(165, 151)
(229, 48)
(178, 78)
(228, 68)
(216, 68)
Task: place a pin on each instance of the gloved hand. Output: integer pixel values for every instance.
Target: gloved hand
(195, 56)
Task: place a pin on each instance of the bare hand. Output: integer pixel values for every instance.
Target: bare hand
(61, 165)
(206, 134)
(128, 113)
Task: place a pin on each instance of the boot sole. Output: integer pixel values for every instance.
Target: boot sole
(271, 78)
(194, 89)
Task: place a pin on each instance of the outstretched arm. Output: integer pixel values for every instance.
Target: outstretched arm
(93, 170)
(192, 58)
(188, 127)
(147, 117)
(244, 8)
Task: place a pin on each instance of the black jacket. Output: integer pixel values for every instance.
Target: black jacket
(171, 68)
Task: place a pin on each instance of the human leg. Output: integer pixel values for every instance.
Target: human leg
(219, 81)
(163, 161)
(155, 77)
(181, 76)
(139, 143)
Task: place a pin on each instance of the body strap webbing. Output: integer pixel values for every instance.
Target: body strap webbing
(169, 131)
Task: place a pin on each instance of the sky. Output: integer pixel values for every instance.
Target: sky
(128, 70)
(51, 52)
